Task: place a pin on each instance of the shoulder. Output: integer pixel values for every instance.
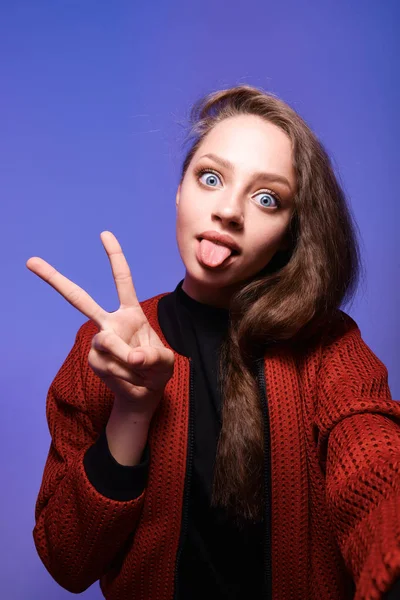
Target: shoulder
(346, 358)
(339, 352)
(324, 336)
(340, 330)
(343, 343)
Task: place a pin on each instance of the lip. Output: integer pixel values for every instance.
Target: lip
(220, 238)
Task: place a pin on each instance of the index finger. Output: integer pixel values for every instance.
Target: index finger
(74, 294)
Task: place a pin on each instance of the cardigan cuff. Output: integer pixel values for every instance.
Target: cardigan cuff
(109, 477)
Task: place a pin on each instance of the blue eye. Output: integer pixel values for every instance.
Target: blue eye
(268, 195)
(210, 176)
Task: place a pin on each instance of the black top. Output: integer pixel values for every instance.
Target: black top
(218, 560)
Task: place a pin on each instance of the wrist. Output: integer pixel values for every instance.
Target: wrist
(125, 409)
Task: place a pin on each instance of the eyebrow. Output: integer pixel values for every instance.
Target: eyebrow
(260, 175)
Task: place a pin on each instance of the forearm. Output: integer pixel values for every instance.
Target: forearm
(127, 434)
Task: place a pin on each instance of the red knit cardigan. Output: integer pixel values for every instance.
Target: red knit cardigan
(335, 452)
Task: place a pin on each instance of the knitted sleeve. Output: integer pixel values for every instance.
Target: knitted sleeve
(357, 428)
(79, 529)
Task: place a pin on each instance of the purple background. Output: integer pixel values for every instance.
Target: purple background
(93, 98)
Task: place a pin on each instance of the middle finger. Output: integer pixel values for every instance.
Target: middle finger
(120, 269)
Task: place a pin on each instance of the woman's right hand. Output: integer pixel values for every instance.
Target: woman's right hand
(126, 353)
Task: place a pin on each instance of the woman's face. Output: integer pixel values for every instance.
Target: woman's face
(237, 200)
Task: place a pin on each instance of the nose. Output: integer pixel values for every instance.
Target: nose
(229, 212)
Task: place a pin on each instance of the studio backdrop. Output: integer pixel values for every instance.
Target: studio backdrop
(94, 105)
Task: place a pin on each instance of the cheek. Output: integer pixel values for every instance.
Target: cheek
(189, 214)
(183, 222)
(264, 239)
(186, 226)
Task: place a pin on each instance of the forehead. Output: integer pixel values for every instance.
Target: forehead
(251, 143)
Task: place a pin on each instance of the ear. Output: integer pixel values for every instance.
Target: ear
(178, 195)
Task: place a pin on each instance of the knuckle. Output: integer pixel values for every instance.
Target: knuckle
(74, 295)
(122, 276)
(111, 368)
(101, 341)
(95, 340)
(90, 355)
(93, 355)
(107, 339)
(93, 361)
(51, 275)
(97, 344)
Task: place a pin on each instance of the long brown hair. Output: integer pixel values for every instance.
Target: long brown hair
(289, 301)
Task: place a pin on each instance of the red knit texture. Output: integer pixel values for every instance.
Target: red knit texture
(335, 442)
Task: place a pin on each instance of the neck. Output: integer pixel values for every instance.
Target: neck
(218, 297)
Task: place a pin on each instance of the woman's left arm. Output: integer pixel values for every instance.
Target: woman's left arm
(358, 438)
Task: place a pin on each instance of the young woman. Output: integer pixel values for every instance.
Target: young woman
(235, 438)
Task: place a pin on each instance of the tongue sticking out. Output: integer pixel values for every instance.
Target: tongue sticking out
(213, 254)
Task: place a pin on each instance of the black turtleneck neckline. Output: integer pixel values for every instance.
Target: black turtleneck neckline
(201, 310)
(184, 320)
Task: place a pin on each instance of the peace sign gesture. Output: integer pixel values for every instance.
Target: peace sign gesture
(126, 353)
